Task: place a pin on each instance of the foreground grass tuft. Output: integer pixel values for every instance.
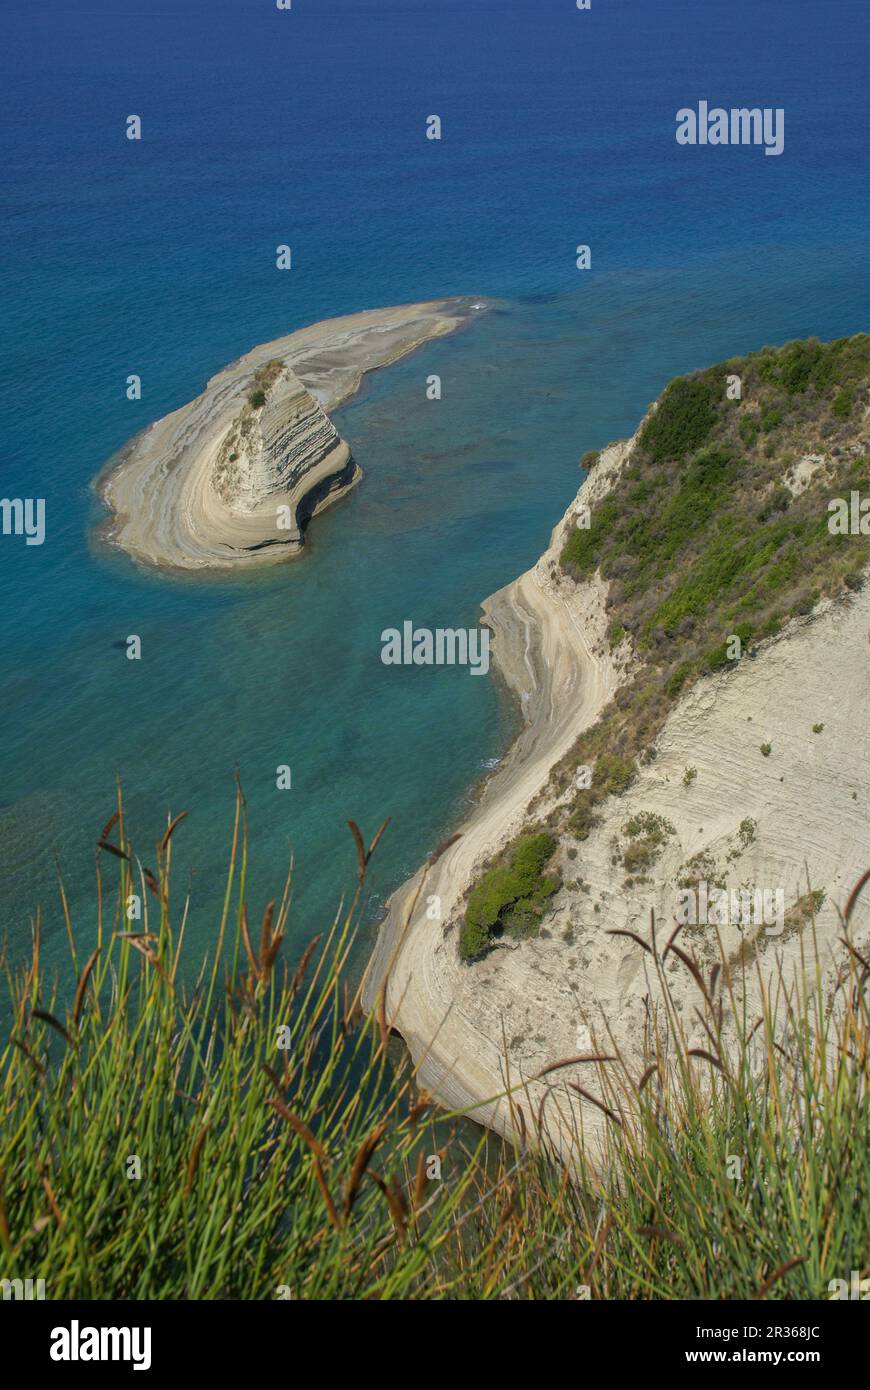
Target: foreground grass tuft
(253, 1135)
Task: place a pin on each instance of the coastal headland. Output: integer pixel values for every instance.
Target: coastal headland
(721, 767)
(232, 478)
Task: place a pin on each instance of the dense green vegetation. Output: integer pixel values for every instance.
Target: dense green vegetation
(286, 1150)
(684, 420)
(511, 897)
(702, 540)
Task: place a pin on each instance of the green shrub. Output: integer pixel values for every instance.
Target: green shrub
(473, 940)
(648, 833)
(800, 361)
(684, 419)
(748, 430)
(583, 547)
(678, 678)
(649, 824)
(778, 501)
(583, 819)
(523, 919)
(266, 375)
(613, 773)
(747, 831)
(488, 897)
(717, 657)
(509, 897)
(700, 868)
(531, 854)
(637, 857)
(843, 403)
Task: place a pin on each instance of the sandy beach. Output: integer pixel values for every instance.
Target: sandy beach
(232, 478)
(548, 647)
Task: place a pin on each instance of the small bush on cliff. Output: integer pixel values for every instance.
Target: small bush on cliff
(612, 774)
(842, 406)
(748, 430)
(583, 819)
(648, 833)
(269, 373)
(510, 897)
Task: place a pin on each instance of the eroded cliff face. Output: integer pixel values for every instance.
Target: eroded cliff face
(280, 444)
(737, 819)
(723, 814)
(795, 820)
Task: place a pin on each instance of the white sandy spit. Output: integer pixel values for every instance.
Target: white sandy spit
(224, 482)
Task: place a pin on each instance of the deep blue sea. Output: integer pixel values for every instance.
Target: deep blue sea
(307, 127)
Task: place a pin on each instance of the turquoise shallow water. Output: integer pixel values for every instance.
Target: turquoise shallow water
(164, 266)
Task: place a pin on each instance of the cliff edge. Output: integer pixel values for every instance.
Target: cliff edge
(692, 664)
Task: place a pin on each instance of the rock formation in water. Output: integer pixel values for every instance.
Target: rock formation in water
(280, 457)
(231, 478)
